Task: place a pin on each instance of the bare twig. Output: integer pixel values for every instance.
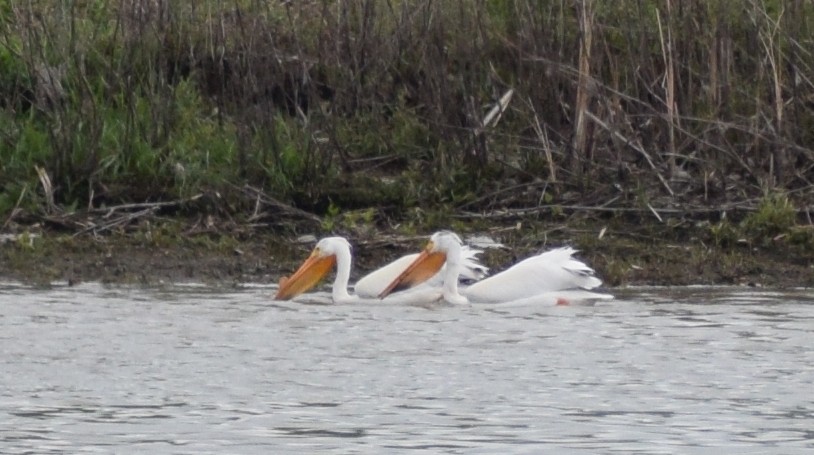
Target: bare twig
(47, 188)
(497, 111)
(773, 54)
(116, 222)
(258, 195)
(494, 194)
(392, 240)
(507, 214)
(667, 55)
(108, 211)
(542, 136)
(16, 208)
(658, 217)
(584, 88)
(634, 146)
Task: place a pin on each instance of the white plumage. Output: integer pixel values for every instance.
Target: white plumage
(336, 251)
(554, 270)
(543, 277)
(372, 284)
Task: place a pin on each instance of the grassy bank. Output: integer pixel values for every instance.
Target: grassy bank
(325, 116)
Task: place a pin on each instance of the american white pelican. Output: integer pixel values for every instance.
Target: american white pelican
(337, 250)
(554, 276)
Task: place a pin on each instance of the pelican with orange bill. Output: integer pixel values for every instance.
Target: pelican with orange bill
(553, 276)
(336, 251)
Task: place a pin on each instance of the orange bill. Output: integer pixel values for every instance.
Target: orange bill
(422, 269)
(306, 277)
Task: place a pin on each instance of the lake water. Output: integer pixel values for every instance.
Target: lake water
(191, 369)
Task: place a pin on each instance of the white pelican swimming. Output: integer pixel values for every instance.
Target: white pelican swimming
(554, 276)
(337, 250)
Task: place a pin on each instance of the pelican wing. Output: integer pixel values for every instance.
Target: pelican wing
(472, 269)
(554, 270)
(372, 284)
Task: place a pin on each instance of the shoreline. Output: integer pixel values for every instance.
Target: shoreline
(622, 255)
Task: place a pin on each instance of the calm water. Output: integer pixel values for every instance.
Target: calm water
(188, 369)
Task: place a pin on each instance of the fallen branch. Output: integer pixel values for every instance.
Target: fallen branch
(102, 219)
(119, 221)
(500, 191)
(108, 211)
(16, 208)
(259, 196)
(497, 111)
(658, 212)
(393, 240)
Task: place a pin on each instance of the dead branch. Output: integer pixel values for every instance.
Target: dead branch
(393, 240)
(108, 211)
(120, 221)
(667, 56)
(47, 188)
(16, 208)
(497, 111)
(259, 196)
(658, 212)
(584, 88)
(632, 145)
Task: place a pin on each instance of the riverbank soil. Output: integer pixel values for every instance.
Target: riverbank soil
(623, 253)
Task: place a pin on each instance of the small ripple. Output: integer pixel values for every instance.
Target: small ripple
(108, 418)
(793, 414)
(773, 436)
(50, 412)
(416, 407)
(427, 446)
(665, 414)
(25, 437)
(300, 431)
(175, 404)
(319, 404)
(171, 442)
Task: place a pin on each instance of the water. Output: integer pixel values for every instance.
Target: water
(189, 369)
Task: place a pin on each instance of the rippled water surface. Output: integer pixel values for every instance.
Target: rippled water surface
(190, 369)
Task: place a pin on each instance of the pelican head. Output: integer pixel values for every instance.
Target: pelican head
(444, 246)
(321, 260)
(446, 242)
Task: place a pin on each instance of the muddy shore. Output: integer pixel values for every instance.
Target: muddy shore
(622, 254)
